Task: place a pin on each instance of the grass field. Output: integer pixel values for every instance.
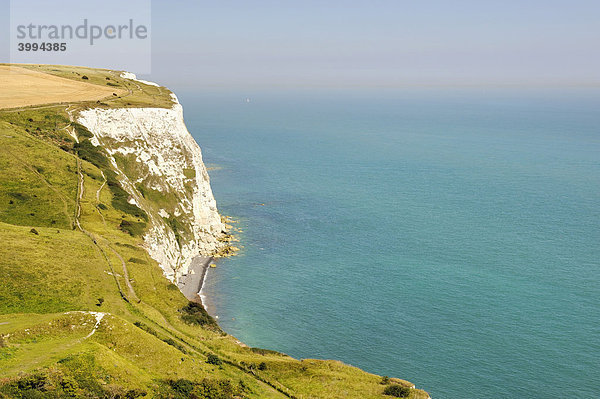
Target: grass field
(133, 93)
(64, 254)
(23, 87)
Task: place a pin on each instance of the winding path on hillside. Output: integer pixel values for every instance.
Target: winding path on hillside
(126, 275)
(101, 187)
(80, 191)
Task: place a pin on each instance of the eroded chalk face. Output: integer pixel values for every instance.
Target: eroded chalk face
(160, 165)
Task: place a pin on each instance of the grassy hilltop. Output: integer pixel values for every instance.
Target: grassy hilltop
(84, 311)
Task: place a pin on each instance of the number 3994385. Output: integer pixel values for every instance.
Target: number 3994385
(44, 46)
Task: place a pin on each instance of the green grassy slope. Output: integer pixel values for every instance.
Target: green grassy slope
(64, 254)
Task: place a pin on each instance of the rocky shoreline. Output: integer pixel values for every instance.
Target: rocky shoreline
(191, 283)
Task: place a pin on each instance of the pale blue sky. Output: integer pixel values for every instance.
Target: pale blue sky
(373, 43)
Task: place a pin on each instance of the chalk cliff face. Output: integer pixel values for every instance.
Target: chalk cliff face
(160, 165)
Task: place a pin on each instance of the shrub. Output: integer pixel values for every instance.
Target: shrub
(397, 391)
(176, 227)
(213, 359)
(215, 389)
(132, 228)
(19, 196)
(69, 386)
(121, 196)
(81, 131)
(102, 206)
(176, 345)
(182, 386)
(84, 77)
(87, 151)
(31, 382)
(172, 287)
(243, 386)
(194, 313)
(206, 389)
(135, 393)
(385, 380)
(144, 327)
(262, 366)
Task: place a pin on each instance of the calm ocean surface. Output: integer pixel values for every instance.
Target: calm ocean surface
(448, 237)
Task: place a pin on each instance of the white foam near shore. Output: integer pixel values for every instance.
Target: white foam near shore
(203, 297)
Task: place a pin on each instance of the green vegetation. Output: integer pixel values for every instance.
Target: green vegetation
(195, 314)
(120, 201)
(206, 389)
(38, 180)
(95, 155)
(71, 244)
(29, 286)
(177, 228)
(213, 359)
(46, 123)
(189, 173)
(168, 341)
(397, 391)
(134, 229)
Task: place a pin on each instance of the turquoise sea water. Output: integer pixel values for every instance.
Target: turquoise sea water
(448, 237)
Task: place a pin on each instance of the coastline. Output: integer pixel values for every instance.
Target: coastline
(268, 373)
(191, 283)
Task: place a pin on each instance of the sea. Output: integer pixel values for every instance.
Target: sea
(447, 236)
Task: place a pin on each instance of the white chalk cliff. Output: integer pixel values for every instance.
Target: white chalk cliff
(160, 165)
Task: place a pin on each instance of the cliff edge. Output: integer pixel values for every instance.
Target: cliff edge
(160, 165)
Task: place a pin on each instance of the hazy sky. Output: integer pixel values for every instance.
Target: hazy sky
(372, 43)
